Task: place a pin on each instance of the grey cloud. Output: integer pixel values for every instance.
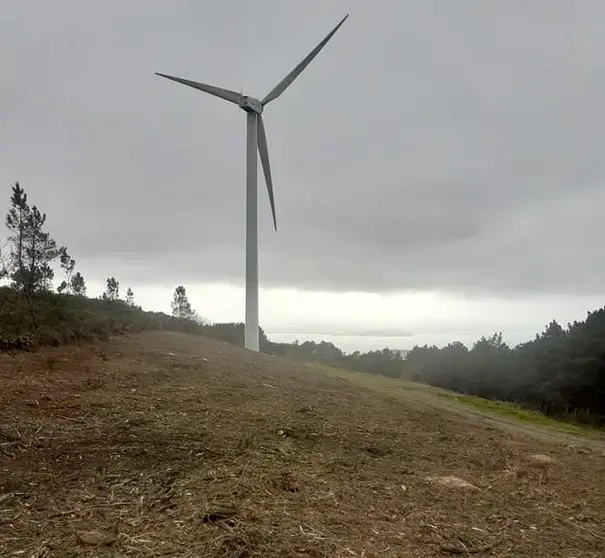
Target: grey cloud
(452, 146)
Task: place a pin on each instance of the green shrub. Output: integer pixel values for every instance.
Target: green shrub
(49, 318)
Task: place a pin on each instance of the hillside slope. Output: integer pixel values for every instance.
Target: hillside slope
(163, 444)
(504, 415)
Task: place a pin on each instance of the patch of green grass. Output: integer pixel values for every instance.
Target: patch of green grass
(395, 387)
(516, 412)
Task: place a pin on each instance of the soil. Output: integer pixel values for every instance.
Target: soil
(163, 444)
(428, 396)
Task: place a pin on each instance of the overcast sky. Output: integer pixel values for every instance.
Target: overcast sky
(438, 169)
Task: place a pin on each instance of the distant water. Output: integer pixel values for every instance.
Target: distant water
(347, 343)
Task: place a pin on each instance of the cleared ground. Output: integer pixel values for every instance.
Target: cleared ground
(166, 445)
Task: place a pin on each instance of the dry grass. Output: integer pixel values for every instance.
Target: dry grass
(167, 445)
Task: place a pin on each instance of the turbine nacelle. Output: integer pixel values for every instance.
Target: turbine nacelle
(250, 104)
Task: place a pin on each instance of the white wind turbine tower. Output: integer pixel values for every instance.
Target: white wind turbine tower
(256, 138)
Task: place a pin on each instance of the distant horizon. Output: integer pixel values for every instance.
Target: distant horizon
(363, 343)
(372, 324)
(347, 339)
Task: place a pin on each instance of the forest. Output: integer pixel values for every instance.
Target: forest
(561, 372)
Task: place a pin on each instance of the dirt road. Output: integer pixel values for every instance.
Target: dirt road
(168, 445)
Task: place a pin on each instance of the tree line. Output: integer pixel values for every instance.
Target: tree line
(561, 372)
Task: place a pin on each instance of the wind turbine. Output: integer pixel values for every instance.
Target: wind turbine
(256, 139)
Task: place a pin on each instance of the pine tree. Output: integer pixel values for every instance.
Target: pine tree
(78, 285)
(181, 308)
(3, 262)
(32, 248)
(67, 265)
(129, 297)
(112, 291)
(16, 222)
(40, 251)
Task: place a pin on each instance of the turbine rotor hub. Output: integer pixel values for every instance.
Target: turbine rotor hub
(250, 104)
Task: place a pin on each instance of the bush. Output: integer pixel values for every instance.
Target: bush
(53, 319)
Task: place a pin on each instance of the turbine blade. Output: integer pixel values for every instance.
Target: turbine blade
(226, 94)
(264, 158)
(284, 83)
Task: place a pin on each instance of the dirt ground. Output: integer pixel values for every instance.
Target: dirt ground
(167, 445)
(422, 395)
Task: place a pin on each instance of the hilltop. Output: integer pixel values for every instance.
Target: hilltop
(167, 444)
(560, 373)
